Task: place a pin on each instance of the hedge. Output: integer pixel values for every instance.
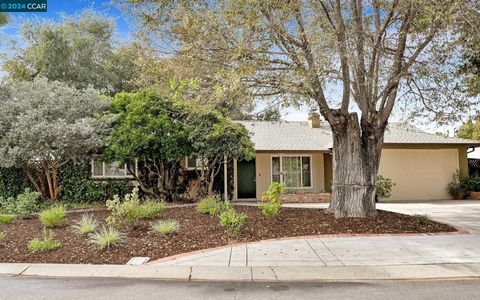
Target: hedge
(76, 182)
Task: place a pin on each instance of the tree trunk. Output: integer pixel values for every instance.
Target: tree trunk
(356, 157)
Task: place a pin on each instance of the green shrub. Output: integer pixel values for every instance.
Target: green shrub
(47, 243)
(53, 217)
(474, 184)
(210, 205)
(164, 227)
(24, 206)
(231, 220)
(87, 224)
(270, 205)
(130, 211)
(2, 236)
(106, 238)
(458, 186)
(124, 212)
(384, 187)
(150, 209)
(420, 220)
(5, 219)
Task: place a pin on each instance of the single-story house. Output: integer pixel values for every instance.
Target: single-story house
(299, 155)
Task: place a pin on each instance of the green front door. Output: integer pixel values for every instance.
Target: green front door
(246, 179)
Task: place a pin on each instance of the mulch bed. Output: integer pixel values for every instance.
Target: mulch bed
(197, 232)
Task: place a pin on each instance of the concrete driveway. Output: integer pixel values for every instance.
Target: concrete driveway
(461, 214)
(458, 213)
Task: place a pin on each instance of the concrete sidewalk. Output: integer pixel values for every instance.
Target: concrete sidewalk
(256, 274)
(341, 251)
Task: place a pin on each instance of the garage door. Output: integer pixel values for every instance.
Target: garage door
(419, 174)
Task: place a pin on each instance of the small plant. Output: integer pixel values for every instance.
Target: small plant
(107, 237)
(2, 236)
(53, 217)
(24, 206)
(270, 205)
(47, 243)
(130, 211)
(5, 219)
(210, 205)
(87, 224)
(165, 227)
(420, 220)
(231, 220)
(150, 209)
(458, 187)
(384, 187)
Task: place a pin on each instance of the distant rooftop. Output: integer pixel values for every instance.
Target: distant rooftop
(300, 136)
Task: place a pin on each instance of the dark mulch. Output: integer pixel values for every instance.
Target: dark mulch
(197, 232)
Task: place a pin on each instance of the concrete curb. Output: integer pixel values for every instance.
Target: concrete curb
(247, 274)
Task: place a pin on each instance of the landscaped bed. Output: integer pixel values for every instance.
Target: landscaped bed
(197, 231)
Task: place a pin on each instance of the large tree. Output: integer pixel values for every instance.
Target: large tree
(44, 125)
(78, 50)
(161, 130)
(368, 50)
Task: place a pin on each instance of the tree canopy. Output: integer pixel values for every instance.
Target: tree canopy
(78, 50)
(160, 131)
(44, 125)
(470, 130)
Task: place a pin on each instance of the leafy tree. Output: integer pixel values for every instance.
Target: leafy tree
(3, 19)
(78, 51)
(44, 125)
(150, 128)
(470, 130)
(470, 41)
(215, 137)
(378, 52)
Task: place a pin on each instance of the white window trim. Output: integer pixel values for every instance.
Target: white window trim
(187, 167)
(301, 173)
(126, 176)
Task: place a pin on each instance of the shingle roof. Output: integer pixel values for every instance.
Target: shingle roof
(299, 136)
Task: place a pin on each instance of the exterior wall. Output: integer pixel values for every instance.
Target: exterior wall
(420, 174)
(264, 172)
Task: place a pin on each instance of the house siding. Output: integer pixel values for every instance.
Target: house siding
(420, 174)
(264, 172)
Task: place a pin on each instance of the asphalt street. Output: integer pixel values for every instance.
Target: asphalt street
(49, 288)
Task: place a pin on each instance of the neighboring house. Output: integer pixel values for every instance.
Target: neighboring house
(298, 154)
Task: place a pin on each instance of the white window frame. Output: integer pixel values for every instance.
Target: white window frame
(198, 164)
(301, 173)
(103, 176)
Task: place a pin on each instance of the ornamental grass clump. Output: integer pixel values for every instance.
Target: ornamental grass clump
(270, 205)
(231, 220)
(53, 217)
(130, 211)
(210, 205)
(47, 243)
(150, 209)
(165, 227)
(107, 237)
(5, 219)
(87, 224)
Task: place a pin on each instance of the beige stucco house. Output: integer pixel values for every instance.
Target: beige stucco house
(298, 154)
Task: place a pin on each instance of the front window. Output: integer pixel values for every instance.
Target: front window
(102, 169)
(192, 163)
(292, 171)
